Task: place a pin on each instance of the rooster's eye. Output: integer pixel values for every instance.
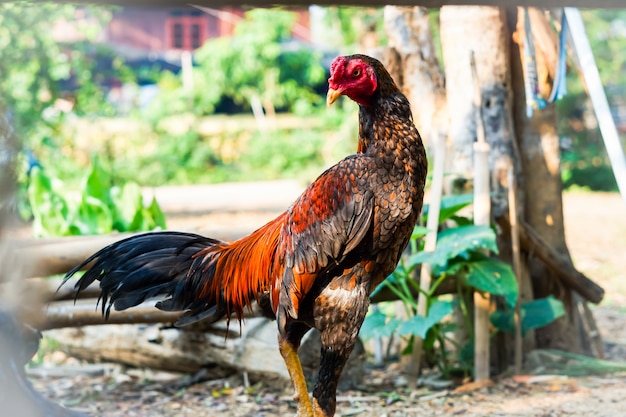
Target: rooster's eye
(356, 72)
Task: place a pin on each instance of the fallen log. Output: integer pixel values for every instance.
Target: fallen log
(59, 315)
(533, 243)
(88, 312)
(62, 313)
(53, 256)
(46, 257)
(176, 350)
(254, 350)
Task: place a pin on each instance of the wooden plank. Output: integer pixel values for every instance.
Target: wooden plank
(604, 4)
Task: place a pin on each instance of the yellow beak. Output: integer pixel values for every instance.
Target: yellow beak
(332, 96)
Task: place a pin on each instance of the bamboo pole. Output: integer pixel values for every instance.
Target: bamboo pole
(517, 267)
(436, 191)
(482, 216)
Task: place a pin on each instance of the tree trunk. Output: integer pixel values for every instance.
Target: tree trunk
(484, 31)
(414, 65)
(419, 74)
(541, 187)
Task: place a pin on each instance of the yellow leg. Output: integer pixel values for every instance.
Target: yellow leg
(318, 411)
(289, 353)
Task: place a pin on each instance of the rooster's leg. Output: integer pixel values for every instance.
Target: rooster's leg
(339, 329)
(288, 345)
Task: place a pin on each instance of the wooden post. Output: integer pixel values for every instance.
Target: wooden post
(482, 216)
(436, 191)
(517, 268)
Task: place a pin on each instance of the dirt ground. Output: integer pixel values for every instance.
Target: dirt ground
(596, 236)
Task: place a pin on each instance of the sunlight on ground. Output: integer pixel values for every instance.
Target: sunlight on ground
(595, 231)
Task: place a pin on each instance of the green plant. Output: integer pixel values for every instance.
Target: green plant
(255, 63)
(348, 26)
(36, 70)
(98, 208)
(534, 314)
(47, 345)
(585, 162)
(461, 253)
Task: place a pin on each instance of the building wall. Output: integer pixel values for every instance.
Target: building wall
(159, 29)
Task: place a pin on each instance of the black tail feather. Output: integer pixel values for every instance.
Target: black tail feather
(147, 266)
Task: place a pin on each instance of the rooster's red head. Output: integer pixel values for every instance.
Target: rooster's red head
(353, 76)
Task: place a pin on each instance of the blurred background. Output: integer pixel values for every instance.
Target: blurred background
(99, 104)
(195, 93)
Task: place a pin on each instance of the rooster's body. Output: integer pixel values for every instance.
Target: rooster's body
(313, 266)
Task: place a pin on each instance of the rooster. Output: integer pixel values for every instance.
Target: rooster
(315, 264)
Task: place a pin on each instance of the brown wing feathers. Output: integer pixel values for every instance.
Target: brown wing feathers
(327, 224)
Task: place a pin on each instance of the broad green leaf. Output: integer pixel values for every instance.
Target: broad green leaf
(98, 183)
(50, 209)
(93, 217)
(419, 325)
(462, 221)
(418, 232)
(127, 207)
(378, 325)
(158, 218)
(450, 205)
(455, 241)
(535, 314)
(493, 276)
(574, 364)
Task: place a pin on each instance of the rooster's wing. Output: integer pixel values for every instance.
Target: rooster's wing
(325, 226)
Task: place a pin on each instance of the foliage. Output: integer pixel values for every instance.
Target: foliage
(260, 62)
(99, 208)
(31, 62)
(585, 161)
(43, 81)
(238, 153)
(460, 253)
(534, 314)
(34, 67)
(557, 362)
(346, 27)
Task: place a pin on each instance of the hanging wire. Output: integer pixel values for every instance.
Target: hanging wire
(559, 87)
(531, 82)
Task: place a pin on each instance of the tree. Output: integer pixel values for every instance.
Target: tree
(33, 64)
(529, 146)
(258, 64)
(353, 27)
(585, 162)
